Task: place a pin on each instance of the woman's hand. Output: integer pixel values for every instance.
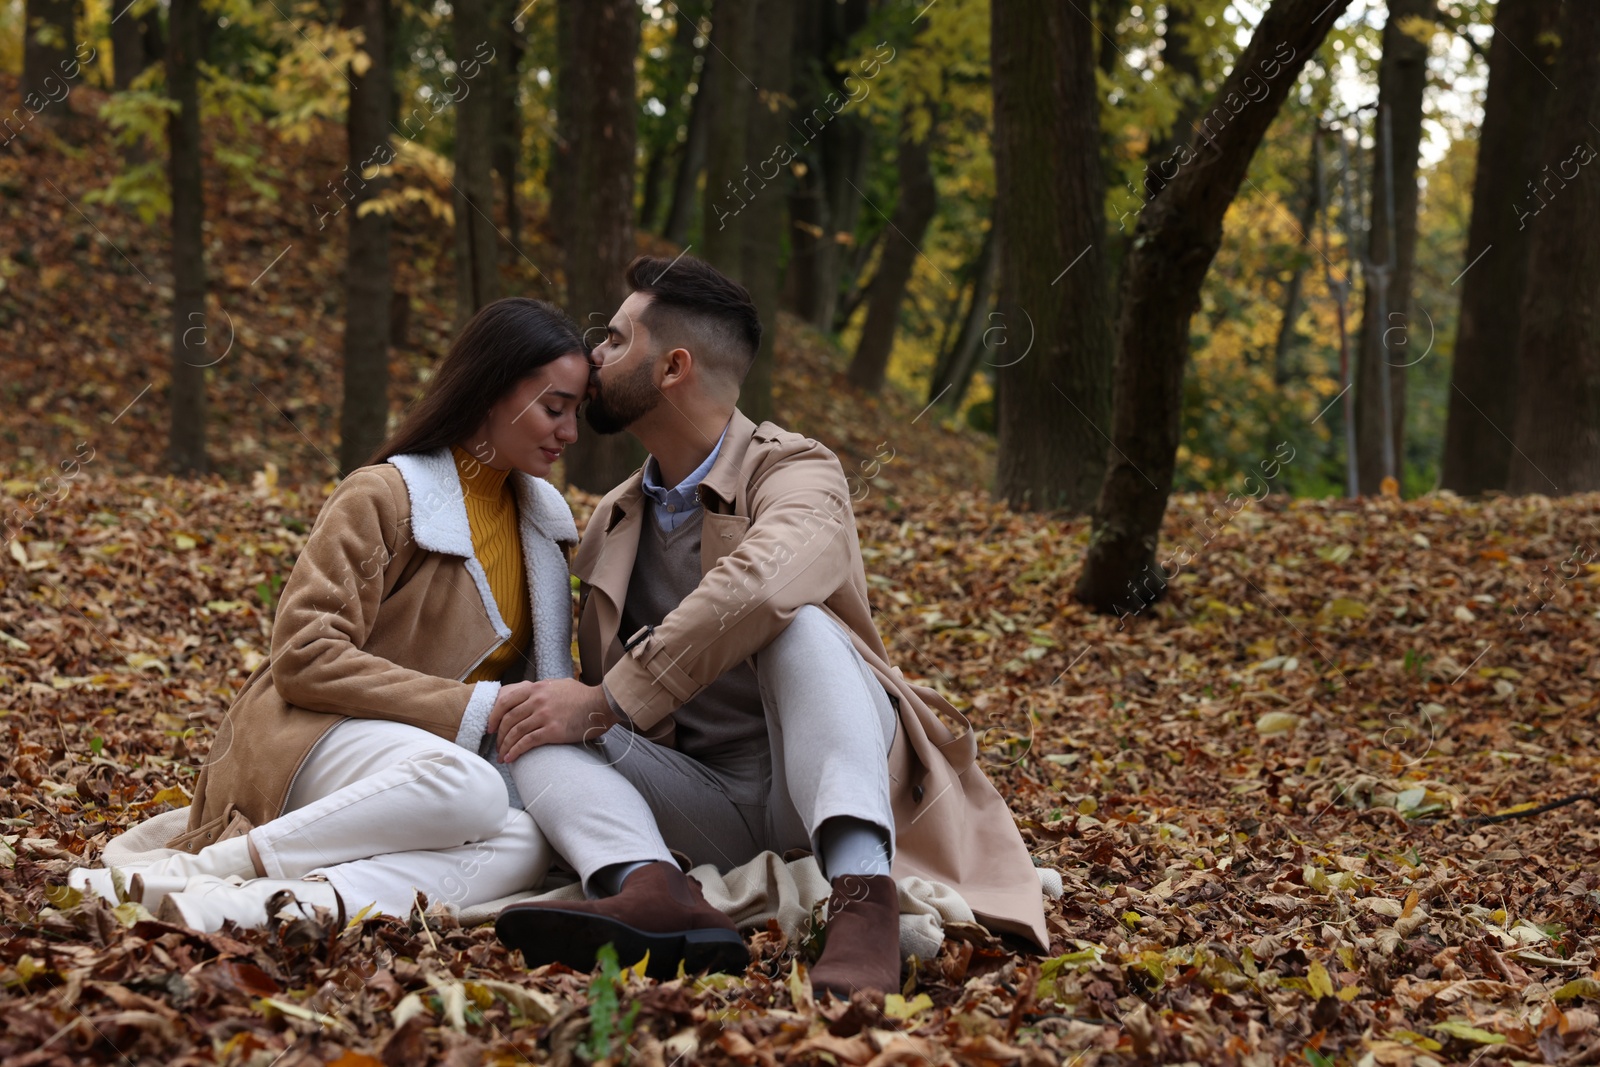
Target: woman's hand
(556, 711)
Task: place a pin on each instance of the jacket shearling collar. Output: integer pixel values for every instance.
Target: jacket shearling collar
(439, 506)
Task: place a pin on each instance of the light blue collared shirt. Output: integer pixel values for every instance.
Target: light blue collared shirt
(673, 507)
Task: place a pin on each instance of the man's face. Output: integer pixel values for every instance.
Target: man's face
(622, 386)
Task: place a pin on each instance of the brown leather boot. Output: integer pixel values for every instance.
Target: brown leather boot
(660, 910)
(862, 946)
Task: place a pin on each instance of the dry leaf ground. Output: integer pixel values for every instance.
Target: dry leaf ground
(1236, 785)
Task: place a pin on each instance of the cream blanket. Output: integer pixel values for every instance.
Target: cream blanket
(750, 894)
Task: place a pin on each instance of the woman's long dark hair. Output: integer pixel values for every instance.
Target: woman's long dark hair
(504, 343)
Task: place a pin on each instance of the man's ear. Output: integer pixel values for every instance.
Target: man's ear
(675, 367)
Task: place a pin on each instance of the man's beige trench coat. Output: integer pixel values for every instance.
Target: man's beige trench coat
(778, 534)
(386, 609)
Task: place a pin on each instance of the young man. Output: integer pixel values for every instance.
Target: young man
(735, 696)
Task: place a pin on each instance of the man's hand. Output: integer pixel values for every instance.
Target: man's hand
(557, 711)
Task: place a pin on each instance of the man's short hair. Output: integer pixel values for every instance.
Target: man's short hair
(695, 306)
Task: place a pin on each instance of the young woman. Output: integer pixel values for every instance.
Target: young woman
(353, 768)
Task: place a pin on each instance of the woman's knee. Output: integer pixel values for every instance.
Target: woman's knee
(470, 791)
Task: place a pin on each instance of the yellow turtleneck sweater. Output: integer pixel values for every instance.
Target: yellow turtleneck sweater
(492, 514)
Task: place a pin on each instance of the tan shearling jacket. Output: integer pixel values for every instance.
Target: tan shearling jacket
(385, 611)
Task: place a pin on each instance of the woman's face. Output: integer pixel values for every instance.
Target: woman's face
(528, 427)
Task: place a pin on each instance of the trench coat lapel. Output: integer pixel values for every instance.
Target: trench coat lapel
(605, 564)
(724, 494)
(728, 479)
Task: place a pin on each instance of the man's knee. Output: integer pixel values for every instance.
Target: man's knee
(550, 773)
(812, 632)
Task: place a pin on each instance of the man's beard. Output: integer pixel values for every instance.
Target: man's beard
(624, 402)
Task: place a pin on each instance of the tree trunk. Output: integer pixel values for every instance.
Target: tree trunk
(477, 251)
(808, 233)
(1483, 378)
(958, 309)
(369, 287)
(729, 184)
(845, 158)
(1108, 13)
(1108, 16)
(1384, 352)
(955, 311)
(650, 200)
(855, 295)
(664, 149)
(1557, 428)
(558, 174)
(1292, 290)
(598, 240)
(768, 118)
(131, 38)
(48, 49)
(912, 212)
(1182, 63)
(692, 153)
(954, 375)
(1177, 238)
(824, 207)
(1340, 287)
(1053, 375)
(186, 438)
(505, 118)
(691, 164)
(135, 46)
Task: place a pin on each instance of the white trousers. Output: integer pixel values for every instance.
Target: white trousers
(383, 810)
(829, 729)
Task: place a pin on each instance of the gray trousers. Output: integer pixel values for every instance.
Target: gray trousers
(624, 798)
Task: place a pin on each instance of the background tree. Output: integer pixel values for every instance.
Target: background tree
(913, 211)
(558, 174)
(668, 74)
(1180, 60)
(505, 108)
(135, 40)
(186, 437)
(477, 242)
(369, 285)
(1302, 260)
(1264, 356)
(1054, 373)
(728, 185)
(598, 125)
(959, 352)
(825, 207)
(767, 127)
(48, 43)
(1557, 429)
(690, 46)
(1177, 237)
(1483, 394)
(1386, 318)
(1108, 16)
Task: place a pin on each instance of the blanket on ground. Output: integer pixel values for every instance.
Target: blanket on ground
(760, 889)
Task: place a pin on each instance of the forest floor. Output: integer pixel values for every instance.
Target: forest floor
(1260, 793)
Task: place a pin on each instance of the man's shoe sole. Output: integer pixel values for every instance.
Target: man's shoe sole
(554, 935)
